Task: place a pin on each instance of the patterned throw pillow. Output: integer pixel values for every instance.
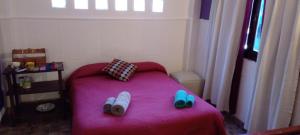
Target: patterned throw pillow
(120, 70)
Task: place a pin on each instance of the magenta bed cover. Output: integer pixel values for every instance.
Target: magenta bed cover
(151, 111)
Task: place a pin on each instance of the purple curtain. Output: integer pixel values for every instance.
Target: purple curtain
(205, 9)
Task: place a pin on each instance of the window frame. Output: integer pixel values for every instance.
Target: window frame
(249, 53)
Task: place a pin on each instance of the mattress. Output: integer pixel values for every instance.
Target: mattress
(151, 111)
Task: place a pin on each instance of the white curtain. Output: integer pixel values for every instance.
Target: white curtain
(227, 22)
(278, 68)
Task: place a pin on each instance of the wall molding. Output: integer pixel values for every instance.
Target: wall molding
(93, 18)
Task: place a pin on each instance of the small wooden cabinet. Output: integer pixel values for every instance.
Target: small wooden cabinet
(18, 108)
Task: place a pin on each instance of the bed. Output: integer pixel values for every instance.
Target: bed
(151, 111)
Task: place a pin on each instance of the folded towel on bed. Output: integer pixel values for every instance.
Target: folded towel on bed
(180, 99)
(190, 100)
(121, 104)
(108, 104)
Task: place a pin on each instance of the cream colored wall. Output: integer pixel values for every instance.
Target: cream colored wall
(79, 42)
(79, 37)
(2, 8)
(42, 8)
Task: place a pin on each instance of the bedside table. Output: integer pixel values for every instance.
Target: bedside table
(21, 110)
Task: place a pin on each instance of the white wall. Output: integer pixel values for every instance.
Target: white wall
(79, 37)
(246, 88)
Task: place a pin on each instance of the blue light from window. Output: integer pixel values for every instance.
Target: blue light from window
(259, 27)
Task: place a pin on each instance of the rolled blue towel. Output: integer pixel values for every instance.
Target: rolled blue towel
(180, 99)
(190, 100)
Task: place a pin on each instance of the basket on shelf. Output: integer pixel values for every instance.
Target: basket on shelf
(38, 56)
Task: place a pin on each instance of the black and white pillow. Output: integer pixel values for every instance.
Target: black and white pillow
(120, 70)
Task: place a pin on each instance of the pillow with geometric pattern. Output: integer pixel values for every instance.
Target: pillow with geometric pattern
(120, 70)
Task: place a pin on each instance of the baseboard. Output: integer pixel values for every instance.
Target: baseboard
(2, 113)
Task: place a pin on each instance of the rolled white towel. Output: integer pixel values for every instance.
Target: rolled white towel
(121, 104)
(108, 104)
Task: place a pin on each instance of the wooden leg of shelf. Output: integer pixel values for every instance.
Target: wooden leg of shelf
(12, 111)
(12, 118)
(65, 107)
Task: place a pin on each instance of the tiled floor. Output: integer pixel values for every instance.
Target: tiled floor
(232, 126)
(63, 127)
(50, 127)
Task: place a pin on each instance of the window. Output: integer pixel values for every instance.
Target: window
(157, 5)
(254, 30)
(102, 4)
(58, 3)
(81, 4)
(139, 5)
(121, 5)
(259, 27)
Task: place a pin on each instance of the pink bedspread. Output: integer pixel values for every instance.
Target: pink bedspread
(151, 111)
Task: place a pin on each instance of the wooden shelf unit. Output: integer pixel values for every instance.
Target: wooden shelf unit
(40, 87)
(18, 108)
